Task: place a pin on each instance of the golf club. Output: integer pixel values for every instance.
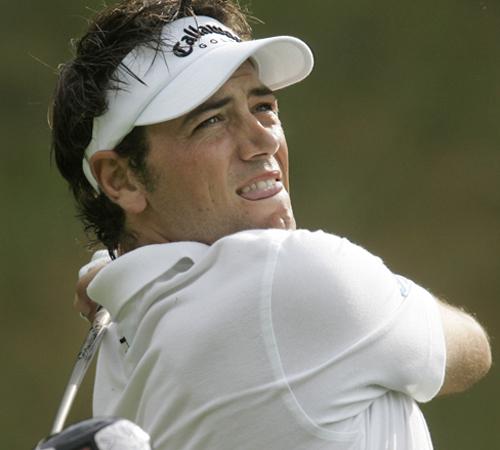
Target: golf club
(84, 358)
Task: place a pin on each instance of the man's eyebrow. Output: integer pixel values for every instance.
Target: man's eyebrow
(260, 91)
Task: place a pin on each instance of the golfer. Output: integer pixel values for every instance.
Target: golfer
(232, 328)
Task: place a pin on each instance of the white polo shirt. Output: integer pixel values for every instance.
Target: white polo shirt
(268, 339)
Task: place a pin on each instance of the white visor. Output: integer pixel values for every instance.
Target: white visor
(198, 56)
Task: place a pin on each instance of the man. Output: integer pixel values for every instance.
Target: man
(231, 328)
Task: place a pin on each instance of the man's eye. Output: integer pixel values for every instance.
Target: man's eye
(210, 121)
(264, 107)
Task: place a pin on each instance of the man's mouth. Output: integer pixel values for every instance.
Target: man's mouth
(262, 187)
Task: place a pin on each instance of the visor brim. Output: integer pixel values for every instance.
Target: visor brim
(280, 62)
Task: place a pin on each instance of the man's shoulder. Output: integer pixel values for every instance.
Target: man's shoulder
(273, 248)
(284, 246)
(289, 238)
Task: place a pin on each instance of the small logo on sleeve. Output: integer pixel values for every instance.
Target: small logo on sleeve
(404, 285)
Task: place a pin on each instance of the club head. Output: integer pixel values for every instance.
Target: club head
(99, 434)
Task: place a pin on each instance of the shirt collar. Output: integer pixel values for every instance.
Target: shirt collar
(122, 278)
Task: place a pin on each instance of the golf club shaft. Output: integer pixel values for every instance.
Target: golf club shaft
(88, 350)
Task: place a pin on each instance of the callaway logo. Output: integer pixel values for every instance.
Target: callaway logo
(184, 47)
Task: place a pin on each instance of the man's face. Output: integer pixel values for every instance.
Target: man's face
(220, 169)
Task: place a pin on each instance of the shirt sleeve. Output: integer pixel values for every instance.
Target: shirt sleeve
(347, 329)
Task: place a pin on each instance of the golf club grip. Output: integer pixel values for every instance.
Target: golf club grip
(84, 358)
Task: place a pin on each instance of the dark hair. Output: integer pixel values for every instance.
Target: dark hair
(80, 96)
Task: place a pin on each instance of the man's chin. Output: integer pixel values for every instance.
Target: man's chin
(283, 221)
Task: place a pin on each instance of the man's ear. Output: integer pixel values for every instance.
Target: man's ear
(117, 181)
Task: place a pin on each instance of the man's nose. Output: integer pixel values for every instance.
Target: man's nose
(258, 139)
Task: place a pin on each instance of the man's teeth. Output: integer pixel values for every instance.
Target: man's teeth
(260, 185)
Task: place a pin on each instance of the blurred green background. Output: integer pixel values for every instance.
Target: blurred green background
(395, 143)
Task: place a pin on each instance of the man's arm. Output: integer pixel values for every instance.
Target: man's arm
(468, 353)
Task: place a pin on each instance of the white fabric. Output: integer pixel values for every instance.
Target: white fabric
(99, 258)
(268, 339)
(198, 57)
(122, 435)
